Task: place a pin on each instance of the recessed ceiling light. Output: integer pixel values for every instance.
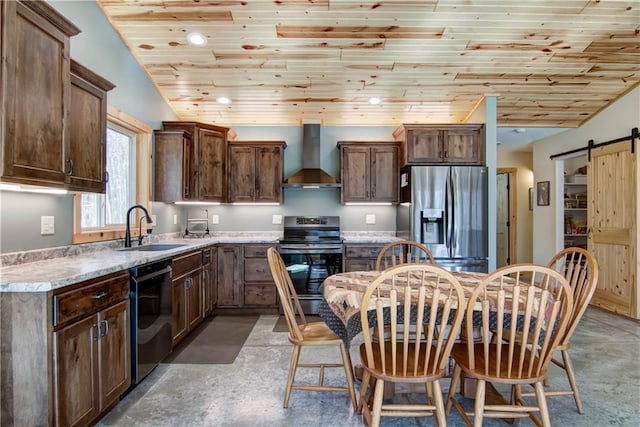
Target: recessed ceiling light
(375, 101)
(196, 39)
(223, 100)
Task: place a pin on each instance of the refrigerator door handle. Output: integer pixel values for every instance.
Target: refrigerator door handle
(454, 203)
(449, 214)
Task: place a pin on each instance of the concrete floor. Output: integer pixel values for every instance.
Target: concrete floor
(249, 392)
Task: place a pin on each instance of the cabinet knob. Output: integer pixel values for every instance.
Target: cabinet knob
(69, 167)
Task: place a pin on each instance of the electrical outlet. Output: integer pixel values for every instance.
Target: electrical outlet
(276, 219)
(175, 219)
(215, 219)
(47, 225)
(370, 219)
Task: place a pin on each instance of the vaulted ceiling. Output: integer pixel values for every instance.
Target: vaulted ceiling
(550, 63)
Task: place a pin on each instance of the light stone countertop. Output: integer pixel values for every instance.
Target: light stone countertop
(64, 270)
(55, 273)
(378, 237)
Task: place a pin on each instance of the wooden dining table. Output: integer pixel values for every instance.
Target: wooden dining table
(343, 292)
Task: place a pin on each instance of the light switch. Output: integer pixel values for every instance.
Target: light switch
(276, 219)
(215, 219)
(47, 225)
(370, 219)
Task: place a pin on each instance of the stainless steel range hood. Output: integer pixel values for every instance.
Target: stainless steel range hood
(311, 176)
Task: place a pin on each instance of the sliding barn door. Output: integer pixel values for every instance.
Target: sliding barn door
(612, 221)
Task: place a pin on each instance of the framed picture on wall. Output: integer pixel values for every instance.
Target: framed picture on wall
(542, 192)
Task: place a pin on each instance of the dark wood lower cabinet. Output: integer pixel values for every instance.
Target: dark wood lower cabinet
(187, 311)
(209, 282)
(92, 357)
(230, 287)
(245, 284)
(360, 256)
(259, 288)
(92, 370)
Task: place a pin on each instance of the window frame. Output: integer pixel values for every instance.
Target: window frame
(143, 142)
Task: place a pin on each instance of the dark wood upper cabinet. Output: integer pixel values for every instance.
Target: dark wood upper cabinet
(55, 110)
(86, 160)
(172, 165)
(255, 171)
(440, 144)
(36, 85)
(200, 172)
(369, 171)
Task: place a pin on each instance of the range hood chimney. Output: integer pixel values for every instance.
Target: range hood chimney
(311, 176)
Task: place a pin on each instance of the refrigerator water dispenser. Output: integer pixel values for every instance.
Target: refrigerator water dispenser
(432, 226)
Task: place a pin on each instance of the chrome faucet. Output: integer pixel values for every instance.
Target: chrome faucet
(127, 233)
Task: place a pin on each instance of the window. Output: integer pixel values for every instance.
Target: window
(108, 210)
(102, 216)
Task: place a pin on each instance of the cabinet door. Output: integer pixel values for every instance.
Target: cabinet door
(172, 173)
(230, 288)
(384, 174)
(179, 325)
(76, 376)
(242, 176)
(268, 174)
(35, 96)
(86, 169)
(194, 299)
(355, 170)
(209, 285)
(424, 145)
(462, 146)
(212, 152)
(115, 354)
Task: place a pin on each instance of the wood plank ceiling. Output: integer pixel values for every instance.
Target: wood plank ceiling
(551, 63)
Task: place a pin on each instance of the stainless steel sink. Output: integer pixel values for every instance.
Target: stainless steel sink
(153, 247)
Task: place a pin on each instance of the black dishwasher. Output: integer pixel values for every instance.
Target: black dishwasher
(150, 317)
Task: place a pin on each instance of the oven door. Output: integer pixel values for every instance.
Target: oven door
(308, 269)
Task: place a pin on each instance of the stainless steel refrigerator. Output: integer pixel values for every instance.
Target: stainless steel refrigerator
(445, 208)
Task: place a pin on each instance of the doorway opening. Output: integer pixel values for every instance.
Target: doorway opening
(506, 212)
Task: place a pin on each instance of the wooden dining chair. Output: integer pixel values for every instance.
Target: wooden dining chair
(580, 268)
(306, 334)
(541, 301)
(418, 298)
(403, 252)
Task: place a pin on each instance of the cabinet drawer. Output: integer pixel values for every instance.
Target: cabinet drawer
(184, 263)
(256, 251)
(88, 299)
(257, 270)
(361, 251)
(263, 294)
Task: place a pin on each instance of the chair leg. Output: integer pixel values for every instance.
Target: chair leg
(429, 389)
(348, 370)
(377, 403)
(293, 365)
(568, 366)
(437, 397)
(542, 404)
(452, 388)
(364, 385)
(478, 411)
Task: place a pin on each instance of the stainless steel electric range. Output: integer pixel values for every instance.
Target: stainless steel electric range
(312, 250)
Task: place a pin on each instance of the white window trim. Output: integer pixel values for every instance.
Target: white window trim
(143, 180)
